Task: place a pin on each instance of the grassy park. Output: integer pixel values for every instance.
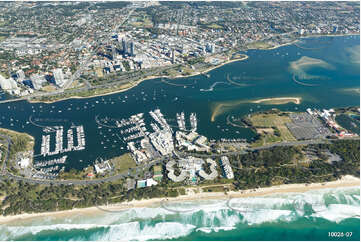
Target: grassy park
(122, 163)
(271, 127)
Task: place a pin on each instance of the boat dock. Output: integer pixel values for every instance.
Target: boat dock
(59, 148)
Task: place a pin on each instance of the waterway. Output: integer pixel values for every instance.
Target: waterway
(335, 76)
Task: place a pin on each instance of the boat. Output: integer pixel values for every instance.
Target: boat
(193, 121)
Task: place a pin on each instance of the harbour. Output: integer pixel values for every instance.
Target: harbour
(86, 129)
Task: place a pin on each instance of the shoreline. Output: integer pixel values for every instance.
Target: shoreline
(281, 100)
(328, 35)
(346, 181)
(140, 81)
(194, 74)
(276, 46)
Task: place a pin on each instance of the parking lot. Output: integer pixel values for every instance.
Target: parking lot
(305, 126)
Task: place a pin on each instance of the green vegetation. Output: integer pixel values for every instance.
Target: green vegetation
(274, 166)
(19, 197)
(122, 163)
(281, 165)
(126, 65)
(346, 121)
(20, 142)
(259, 45)
(270, 126)
(76, 174)
(195, 60)
(109, 5)
(348, 110)
(349, 151)
(87, 93)
(214, 189)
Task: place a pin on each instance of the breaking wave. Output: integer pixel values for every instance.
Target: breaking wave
(206, 217)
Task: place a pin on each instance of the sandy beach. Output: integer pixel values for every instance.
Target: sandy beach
(279, 100)
(346, 181)
(278, 46)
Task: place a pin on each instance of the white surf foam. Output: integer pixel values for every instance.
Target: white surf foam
(159, 223)
(163, 230)
(214, 229)
(338, 212)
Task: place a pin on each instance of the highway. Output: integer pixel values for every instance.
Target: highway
(8, 141)
(125, 79)
(6, 175)
(288, 143)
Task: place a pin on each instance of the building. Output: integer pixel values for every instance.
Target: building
(213, 169)
(141, 183)
(162, 141)
(171, 175)
(100, 168)
(132, 49)
(211, 48)
(59, 77)
(90, 175)
(192, 141)
(124, 46)
(191, 167)
(9, 85)
(20, 75)
(114, 52)
(37, 81)
(28, 83)
(150, 182)
(226, 166)
(173, 56)
(24, 162)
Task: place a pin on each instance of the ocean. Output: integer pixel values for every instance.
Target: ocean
(289, 216)
(323, 71)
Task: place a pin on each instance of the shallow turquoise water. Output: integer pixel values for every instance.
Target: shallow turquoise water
(293, 216)
(266, 73)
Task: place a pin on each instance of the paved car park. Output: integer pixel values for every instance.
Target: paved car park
(305, 126)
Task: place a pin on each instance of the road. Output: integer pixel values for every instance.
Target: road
(85, 62)
(288, 143)
(8, 141)
(5, 174)
(126, 79)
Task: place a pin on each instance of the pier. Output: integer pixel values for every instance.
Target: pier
(59, 130)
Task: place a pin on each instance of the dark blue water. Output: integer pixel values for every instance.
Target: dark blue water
(266, 73)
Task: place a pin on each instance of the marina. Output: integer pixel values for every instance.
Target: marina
(193, 121)
(180, 121)
(51, 162)
(59, 130)
(107, 128)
